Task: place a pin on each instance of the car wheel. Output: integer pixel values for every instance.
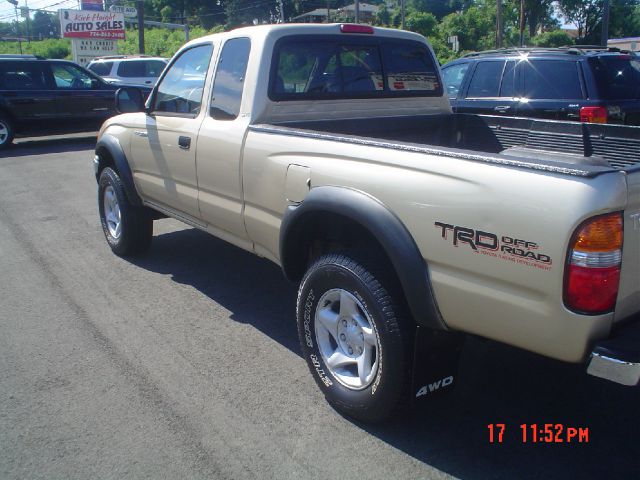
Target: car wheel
(354, 336)
(127, 228)
(6, 132)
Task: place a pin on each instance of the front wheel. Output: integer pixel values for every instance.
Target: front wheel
(127, 228)
(354, 337)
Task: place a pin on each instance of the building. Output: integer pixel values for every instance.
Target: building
(631, 43)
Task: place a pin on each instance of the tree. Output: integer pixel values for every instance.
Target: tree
(45, 25)
(585, 14)
(422, 23)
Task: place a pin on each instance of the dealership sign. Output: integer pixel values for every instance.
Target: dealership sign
(92, 5)
(91, 24)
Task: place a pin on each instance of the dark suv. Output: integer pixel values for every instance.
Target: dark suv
(588, 84)
(40, 97)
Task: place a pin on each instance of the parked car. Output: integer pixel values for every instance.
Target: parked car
(583, 83)
(41, 97)
(129, 70)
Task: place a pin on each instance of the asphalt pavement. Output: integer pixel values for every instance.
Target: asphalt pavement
(184, 363)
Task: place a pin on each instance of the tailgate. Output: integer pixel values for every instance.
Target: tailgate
(629, 293)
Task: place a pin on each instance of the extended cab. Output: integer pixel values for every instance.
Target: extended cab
(332, 151)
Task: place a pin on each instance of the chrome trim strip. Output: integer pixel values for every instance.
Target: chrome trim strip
(619, 371)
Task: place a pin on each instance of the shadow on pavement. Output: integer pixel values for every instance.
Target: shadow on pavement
(496, 383)
(45, 145)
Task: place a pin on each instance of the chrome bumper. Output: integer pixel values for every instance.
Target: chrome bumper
(618, 358)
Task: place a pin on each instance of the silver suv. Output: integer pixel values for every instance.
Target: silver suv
(137, 70)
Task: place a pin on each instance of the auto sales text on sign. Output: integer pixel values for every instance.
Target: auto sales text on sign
(91, 24)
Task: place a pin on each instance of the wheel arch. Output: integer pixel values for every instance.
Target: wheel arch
(109, 153)
(354, 212)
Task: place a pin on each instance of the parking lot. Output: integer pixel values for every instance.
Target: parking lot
(184, 363)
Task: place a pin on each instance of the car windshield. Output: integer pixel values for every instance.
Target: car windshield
(617, 77)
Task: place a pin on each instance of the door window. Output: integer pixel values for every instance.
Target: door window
(508, 87)
(21, 76)
(228, 85)
(141, 68)
(453, 76)
(101, 68)
(70, 77)
(180, 90)
(552, 79)
(486, 80)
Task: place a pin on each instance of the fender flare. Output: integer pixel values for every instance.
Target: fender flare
(112, 145)
(382, 224)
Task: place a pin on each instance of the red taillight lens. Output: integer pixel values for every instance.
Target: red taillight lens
(355, 28)
(593, 114)
(592, 275)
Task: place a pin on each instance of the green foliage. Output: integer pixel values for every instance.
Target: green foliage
(556, 38)
(422, 23)
(160, 42)
(51, 48)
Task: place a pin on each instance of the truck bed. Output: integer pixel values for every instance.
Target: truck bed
(573, 148)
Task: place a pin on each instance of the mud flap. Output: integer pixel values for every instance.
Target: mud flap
(435, 362)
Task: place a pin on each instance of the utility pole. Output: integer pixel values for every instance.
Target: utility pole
(28, 25)
(522, 23)
(15, 4)
(328, 12)
(357, 11)
(604, 39)
(281, 11)
(498, 23)
(402, 13)
(140, 26)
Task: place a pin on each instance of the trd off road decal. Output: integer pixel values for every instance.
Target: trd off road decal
(504, 247)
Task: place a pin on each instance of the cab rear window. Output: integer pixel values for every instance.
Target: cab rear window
(332, 67)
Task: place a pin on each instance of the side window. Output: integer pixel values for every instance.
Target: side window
(229, 82)
(453, 76)
(101, 68)
(180, 90)
(21, 76)
(70, 77)
(134, 68)
(486, 80)
(552, 79)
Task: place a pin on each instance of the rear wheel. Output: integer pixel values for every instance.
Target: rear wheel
(127, 228)
(354, 337)
(6, 131)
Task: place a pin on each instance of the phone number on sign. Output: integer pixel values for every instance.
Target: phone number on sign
(541, 433)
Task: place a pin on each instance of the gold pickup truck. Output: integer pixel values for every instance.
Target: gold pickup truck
(331, 150)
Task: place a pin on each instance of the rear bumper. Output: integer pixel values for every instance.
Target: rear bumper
(618, 358)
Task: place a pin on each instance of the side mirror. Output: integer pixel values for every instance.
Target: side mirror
(129, 100)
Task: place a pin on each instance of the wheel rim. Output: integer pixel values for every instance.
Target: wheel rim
(347, 339)
(112, 212)
(4, 132)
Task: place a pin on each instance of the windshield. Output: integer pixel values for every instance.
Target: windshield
(617, 77)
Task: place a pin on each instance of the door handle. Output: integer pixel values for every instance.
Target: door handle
(502, 108)
(140, 134)
(184, 143)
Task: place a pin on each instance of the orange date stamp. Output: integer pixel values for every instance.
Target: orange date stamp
(541, 433)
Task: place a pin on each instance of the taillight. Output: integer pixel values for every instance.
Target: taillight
(592, 274)
(593, 114)
(355, 28)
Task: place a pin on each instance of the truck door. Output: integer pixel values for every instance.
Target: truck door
(221, 140)
(490, 90)
(163, 142)
(552, 89)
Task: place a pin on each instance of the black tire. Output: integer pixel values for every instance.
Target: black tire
(7, 131)
(136, 225)
(384, 309)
